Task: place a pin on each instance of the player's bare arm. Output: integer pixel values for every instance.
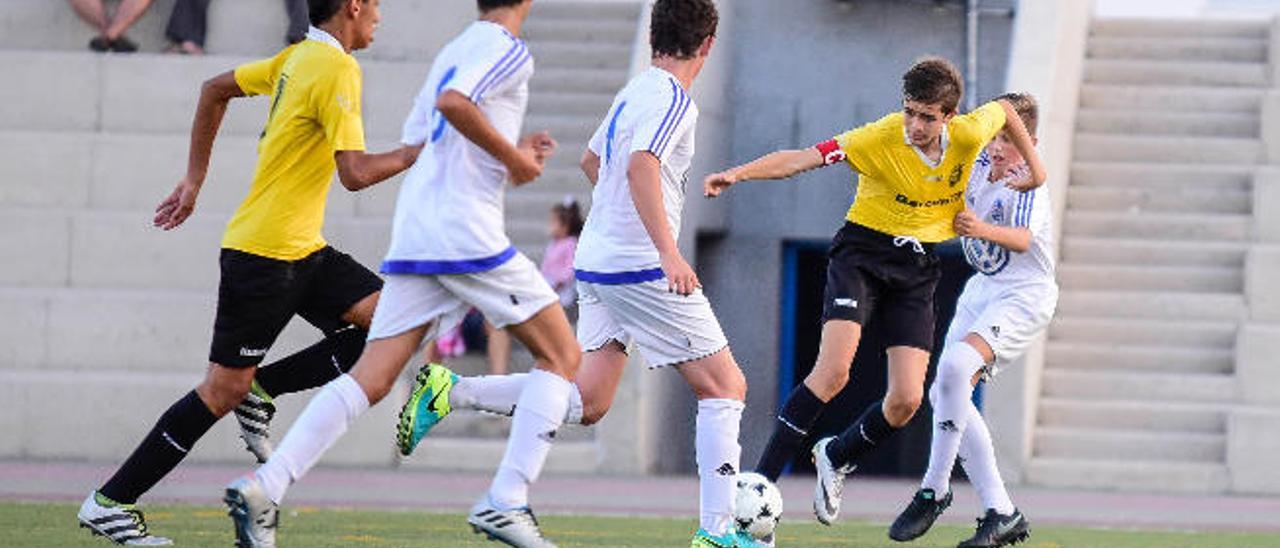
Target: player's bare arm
(1026, 146)
(590, 164)
(644, 177)
(358, 170)
(775, 165)
(1014, 238)
(215, 94)
(524, 163)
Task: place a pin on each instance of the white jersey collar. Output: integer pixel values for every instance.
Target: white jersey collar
(322, 36)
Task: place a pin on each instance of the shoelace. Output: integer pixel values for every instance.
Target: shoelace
(527, 513)
(902, 241)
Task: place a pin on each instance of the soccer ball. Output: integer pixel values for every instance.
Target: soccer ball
(759, 505)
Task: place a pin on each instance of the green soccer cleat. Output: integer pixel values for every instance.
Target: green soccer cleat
(737, 539)
(428, 404)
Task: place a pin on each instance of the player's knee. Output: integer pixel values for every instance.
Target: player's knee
(593, 412)
(222, 392)
(899, 408)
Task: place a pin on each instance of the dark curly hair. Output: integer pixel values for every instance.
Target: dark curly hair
(679, 27)
(934, 81)
(320, 11)
(486, 5)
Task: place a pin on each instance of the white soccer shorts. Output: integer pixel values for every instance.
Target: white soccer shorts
(1007, 317)
(507, 295)
(669, 328)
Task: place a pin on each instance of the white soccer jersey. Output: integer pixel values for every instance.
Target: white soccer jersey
(652, 113)
(997, 204)
(449, 215)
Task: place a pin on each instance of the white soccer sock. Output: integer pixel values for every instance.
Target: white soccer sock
(499, 394)
(541, 409)
(718, 453)
(951, 397)
(324, 420)
(979, 458)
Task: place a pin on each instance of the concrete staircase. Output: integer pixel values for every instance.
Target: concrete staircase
(110, 319)
(1139, 377)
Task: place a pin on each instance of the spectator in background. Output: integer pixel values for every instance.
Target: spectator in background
(190, 20)
(565, 225)
(111, 28)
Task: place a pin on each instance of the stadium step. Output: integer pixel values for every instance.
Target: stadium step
(1125, 475)
(573, 55)
(1171, 200)
(1170, 28)
(1086, 384)
(1129, 174)
(1120, 251)
(1149, 417)
(1096, 147)
(1224, 50)
(1152, 305)
(1146, 96)
(1186, 123)
(1175, 73)
(1151, 278)
(1139, 331)
(617, 32)
(1158, 226)
(1142, 445)
(1080, 355)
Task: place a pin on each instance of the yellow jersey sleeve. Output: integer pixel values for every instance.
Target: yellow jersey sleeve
(338, 106)
(259, 77)
(863, 147)
(979, 126)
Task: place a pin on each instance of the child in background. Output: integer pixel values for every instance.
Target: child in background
(557, 262)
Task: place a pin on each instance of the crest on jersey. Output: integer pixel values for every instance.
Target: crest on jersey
(984, 256)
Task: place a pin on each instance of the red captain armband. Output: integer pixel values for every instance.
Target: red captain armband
(830, 151)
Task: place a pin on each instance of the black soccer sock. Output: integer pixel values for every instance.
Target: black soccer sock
(860, 438)
(798, 416)
(315, 365)
(160, 452)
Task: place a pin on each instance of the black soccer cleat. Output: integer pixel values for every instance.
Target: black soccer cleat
(998, 530)
(919, 516)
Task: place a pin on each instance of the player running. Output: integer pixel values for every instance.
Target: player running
(449, 252)
(274, 261)
(1007, 237)
(633, 282)
(912, 169)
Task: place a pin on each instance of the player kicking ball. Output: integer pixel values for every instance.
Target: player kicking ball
(448, 253)
(1007, 237)
(912, 167)
(633, 282)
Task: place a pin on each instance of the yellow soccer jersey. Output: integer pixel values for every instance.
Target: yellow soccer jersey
(315, 91)
(899, 193)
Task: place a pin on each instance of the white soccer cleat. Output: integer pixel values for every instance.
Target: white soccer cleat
(119, 523)
(516, 527)
(254, 415)
(826, 495)
(254, 515)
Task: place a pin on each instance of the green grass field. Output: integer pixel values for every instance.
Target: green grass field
(40, 525)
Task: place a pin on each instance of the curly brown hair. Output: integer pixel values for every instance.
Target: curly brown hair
(1025, 105)
(678, 27)
(487, 5)
(934, 81)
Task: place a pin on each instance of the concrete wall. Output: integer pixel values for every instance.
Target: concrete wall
(803, 72)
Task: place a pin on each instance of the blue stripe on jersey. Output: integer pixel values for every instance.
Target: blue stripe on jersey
(675, 99)
(613, 128)
(515, 48)
(662, 147)
(619, 278)
(439, 130)
(432, 268)
(512, 67)
(1029, 198)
